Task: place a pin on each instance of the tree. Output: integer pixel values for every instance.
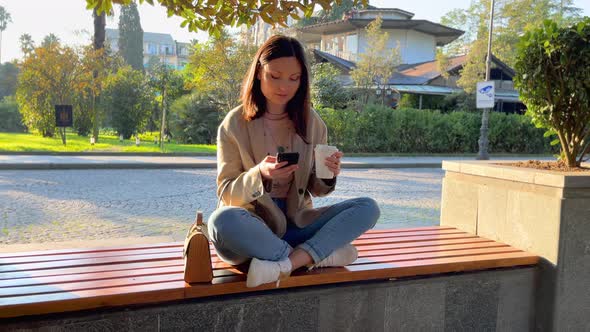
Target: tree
(377, 64)
(50, 40)
(127, 97)
(337, 11)
(213, 16)
(96, 66)
(48, 77)
(553, 79)
(511, 19)
(326, 90)
(169, 84)
(217, 68)
(27, 45)
(131, 36)
(4, 20)
(8, 79)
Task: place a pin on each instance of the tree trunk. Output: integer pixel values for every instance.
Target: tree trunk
(163, 127)
(98, 43)
(0, 47)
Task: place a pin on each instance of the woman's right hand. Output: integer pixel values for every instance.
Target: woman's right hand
(270, 169)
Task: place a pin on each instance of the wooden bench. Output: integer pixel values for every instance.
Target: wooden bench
(56, 281)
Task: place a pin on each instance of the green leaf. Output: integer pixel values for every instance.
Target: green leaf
(555, 142)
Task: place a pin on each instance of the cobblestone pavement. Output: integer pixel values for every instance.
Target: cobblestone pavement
(63, 205)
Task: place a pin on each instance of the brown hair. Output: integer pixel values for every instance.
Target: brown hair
(254, 102)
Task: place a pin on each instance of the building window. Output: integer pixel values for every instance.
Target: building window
(166, 49)
(152, 49)
(351, 43)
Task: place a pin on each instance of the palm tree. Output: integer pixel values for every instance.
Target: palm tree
(4, 20)
(27, 45)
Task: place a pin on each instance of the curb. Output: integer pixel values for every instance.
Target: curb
(73, 166)
(109, 154)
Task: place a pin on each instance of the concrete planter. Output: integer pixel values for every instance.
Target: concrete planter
(543, 212)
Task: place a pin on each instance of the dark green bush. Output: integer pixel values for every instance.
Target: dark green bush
(194, 119)
(382, 129)
(10, 117)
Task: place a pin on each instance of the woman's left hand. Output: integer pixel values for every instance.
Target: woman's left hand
(333, 162)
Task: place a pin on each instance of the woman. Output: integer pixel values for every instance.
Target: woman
(267, 212)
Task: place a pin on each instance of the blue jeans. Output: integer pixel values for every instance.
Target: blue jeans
(238, 235)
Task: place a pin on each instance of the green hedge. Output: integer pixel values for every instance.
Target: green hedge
(381, 129)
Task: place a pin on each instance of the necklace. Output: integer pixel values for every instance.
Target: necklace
(275, 117)
(280, 148)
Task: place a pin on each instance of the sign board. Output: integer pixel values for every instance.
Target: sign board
(63, 116)
(486, 93)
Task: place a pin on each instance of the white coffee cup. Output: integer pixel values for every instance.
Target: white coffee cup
(322, 152)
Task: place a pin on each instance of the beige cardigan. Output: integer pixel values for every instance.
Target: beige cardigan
(240, 147)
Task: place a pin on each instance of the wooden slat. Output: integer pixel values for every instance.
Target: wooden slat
(90, 250)
(69, 280)
(413, 229)
(85, 269)
(91, 255)
(421, 244)
(361, 242)
(87, 262)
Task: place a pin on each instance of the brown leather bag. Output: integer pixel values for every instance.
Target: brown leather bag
(197, 257)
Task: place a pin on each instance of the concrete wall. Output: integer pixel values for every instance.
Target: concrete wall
(495, 300)
(543, 212)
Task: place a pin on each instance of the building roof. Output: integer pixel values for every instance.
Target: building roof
(372, 9)
(421, 74)
(337, 61)
(424, 72)
(150, 37)
(443, 34)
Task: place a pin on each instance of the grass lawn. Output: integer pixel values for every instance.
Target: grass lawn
(15, 142)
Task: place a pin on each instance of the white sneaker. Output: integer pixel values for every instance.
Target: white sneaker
(262, 272)
(340, 257)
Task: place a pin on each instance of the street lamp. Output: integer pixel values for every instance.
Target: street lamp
(483, 138)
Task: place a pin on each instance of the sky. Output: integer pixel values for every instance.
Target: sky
(72, 22)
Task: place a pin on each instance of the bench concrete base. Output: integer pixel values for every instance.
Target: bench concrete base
(492, 300)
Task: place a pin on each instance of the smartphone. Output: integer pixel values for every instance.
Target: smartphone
(292, 158)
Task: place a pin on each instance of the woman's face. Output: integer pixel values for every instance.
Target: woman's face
(280, 79)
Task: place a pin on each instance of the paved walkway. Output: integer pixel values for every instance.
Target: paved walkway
(129, 162)
(39, 208)
(68, 201)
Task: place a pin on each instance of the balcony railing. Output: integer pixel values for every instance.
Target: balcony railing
(343, 55)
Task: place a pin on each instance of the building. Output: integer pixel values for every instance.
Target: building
(341, 42)
(159, 45)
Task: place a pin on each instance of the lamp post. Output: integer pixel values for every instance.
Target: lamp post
(483, 138)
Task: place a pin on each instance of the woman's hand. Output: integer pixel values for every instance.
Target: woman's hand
(270, 169)
(333, 162)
